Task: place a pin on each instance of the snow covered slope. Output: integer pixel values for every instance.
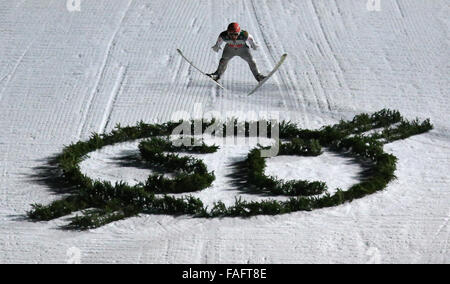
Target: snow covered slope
(66, 74)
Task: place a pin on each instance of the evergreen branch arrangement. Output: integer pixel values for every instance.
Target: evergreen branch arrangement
(101, 202)
(191, 174)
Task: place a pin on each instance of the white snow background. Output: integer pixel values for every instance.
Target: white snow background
(66, 73)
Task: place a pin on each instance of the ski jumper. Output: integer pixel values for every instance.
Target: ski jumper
(238, 47)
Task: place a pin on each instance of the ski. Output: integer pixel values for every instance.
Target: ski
(283, 57)
(190, 62)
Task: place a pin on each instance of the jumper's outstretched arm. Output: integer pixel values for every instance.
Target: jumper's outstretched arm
(252, 42)
(219, 42)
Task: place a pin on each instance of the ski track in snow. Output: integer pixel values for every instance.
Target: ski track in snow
(9, 76)
(64, 75)
(114, 94)
(101, 75)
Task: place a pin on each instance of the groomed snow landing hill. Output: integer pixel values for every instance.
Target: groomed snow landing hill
(68, 71)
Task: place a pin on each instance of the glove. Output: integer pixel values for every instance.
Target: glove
(254, 46)
(216, 48)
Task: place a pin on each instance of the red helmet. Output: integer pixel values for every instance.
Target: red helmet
(234, 28)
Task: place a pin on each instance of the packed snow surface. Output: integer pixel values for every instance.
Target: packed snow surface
(66, 73)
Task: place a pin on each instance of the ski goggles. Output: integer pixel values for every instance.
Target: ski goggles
(234, 34)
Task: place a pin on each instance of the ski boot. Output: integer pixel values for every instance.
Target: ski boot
(213, 76)
(260, 77)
